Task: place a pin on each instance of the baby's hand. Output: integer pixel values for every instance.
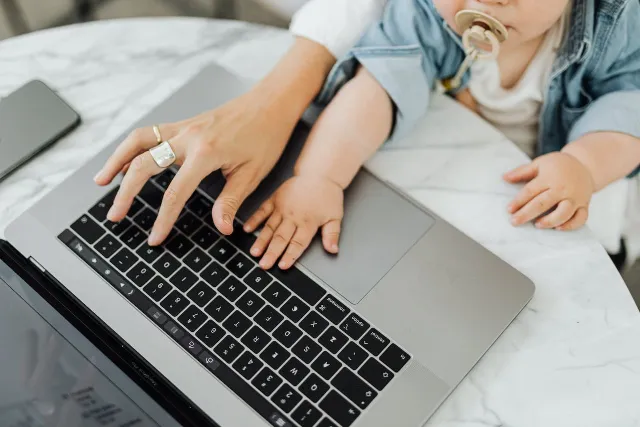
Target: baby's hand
(295, 212)
(555, 180)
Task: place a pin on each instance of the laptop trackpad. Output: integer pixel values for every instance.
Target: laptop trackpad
(379, 227)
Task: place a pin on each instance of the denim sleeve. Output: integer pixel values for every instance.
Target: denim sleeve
(406, 51)
(616, 86)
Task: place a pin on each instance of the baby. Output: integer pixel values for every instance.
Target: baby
(565, 87)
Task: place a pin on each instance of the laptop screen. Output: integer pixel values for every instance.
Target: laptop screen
(51, 375)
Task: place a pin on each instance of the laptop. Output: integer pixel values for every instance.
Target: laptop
(378, 335)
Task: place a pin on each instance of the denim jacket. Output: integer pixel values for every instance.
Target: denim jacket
(594, 85)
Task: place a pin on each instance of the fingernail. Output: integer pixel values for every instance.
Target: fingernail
(226, 218)
(255, 251)
(247, 228)
(111, 213)
(153, 238)
(97, 177)
(283, 265)
(514, 221)
(334, 247)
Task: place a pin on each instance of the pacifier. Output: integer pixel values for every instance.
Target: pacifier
(481, 39)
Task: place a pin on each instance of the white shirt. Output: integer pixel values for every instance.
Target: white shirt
(515, 111)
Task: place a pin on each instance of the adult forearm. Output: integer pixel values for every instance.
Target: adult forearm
(296, 79)
(609, 156)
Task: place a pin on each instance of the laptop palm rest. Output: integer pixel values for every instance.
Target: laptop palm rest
(378, 228)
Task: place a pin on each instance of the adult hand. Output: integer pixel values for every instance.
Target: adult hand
(241, 138)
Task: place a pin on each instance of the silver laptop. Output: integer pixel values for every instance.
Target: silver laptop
(379, 335)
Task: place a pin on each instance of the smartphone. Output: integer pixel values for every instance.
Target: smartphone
(31, 119)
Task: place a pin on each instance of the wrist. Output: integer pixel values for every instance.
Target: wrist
(319, 175)
(580, 158)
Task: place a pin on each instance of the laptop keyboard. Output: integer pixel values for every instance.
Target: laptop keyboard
(289, 349)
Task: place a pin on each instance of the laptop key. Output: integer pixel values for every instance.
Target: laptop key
(306, 349)
(258, 279)
(274, 355)
(88, 229)
(353, 355)
(197, 260)
(250, 303)
(232, 288)
(287, 333)
(107, 246)
(395, 358)
(205, 237)
(240, 239)
(333, 340)
(118, 228)
(136, 206)
(306, 414)
(191, 345)
(267, 381)
(240, 265)
(152, 195)
(179, 246)
(174, 303)
(268, 318)
(184, 279)
(313, 387)
(326, 365)
(294, 309)
(222, 251)
(149, 253)
(146, 219)
(326, 422)
(374, 342)
(339, 409)
(174, 331)
(201, 294)
(140, 274)
(276, 294)
(200, 206)
(157, 288)
(166, 265)
(286, 398)
(133, 237)
(210, 333)
(314, 324)
(354, 388)
(332, 309)
(375, 374)
(156, 315)
(300, 284)
(354, 326)
(256, 340)
(165, 178)
(192, 318)
(219, 309)
(123, 260)
(237, 324)
(294, 371)
(214, 274)
(229, 349)
(188, 223)
(99, 210)
(248, 365)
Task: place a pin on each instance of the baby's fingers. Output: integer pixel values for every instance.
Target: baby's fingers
(577, 221)
(522, 173)
(331, 236)
(266, 234)
(563, 213)
(534, 208)
(528, 193)
(279, 242)
(300, 241)
(259, 216)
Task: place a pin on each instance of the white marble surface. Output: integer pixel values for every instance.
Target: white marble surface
(572, 358)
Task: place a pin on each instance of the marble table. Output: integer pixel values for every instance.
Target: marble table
(571, 358)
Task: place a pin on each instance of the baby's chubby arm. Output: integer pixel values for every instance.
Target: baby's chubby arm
(352, 127)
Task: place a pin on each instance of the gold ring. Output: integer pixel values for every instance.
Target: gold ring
(156, 131)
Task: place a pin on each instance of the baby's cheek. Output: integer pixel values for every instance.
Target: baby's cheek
(448, 9)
